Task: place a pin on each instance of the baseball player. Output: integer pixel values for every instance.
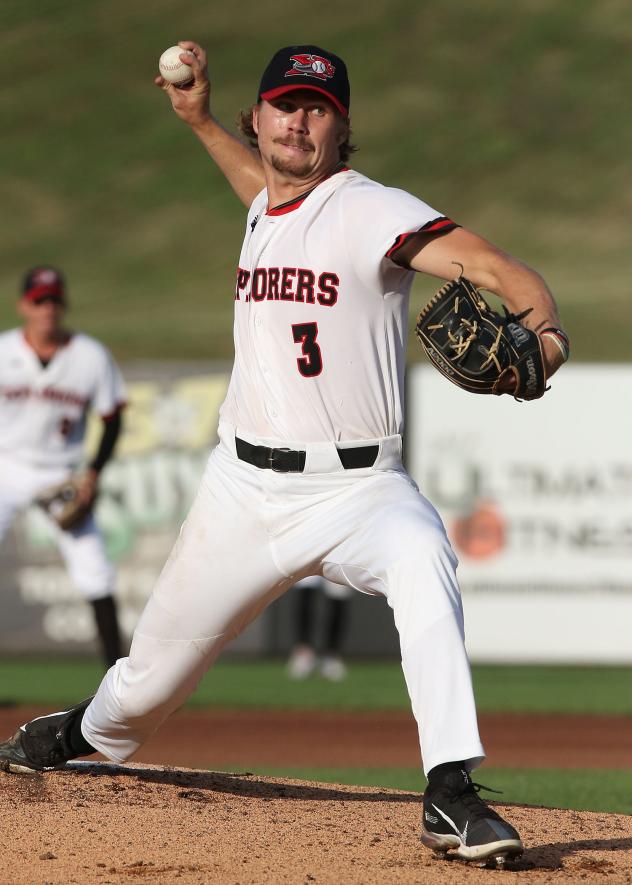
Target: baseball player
(49, 379)
(303, 659)
(307, 477)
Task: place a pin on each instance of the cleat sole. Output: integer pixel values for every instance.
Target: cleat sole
(16, 768)
(495, 855)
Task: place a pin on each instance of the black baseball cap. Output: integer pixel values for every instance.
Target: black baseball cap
(44, 282)
(307, 67)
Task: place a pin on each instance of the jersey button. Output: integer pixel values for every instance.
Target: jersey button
(258, 321)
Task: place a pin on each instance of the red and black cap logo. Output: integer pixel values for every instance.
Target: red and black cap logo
(310, 65)
(44, 282)
(307, 67)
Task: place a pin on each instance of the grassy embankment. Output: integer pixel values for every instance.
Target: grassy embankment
(516, 143)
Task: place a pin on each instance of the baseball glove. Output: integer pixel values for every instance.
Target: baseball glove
(63, 505)
(478, 349)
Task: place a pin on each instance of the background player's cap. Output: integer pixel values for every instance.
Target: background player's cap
(307, 67)
(44, 282)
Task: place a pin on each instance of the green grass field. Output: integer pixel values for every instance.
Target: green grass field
(371, 685)
(508, 117)
(581, 789)
(379, 685)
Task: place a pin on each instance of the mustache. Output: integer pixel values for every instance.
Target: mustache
(295, 141)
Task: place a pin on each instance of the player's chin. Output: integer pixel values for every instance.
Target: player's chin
(298, 166)
(47, 325)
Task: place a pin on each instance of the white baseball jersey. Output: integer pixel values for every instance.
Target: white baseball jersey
(43, 409)
(321, 313)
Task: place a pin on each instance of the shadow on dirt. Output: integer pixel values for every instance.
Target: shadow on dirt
(551, 856)
(194, 783)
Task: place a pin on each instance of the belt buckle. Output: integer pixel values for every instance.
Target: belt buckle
(271, 461)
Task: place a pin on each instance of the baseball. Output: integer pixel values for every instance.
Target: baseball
(174, 70)
(318, 67)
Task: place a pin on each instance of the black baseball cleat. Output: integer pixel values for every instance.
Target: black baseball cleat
(456, 818)
(46, 743)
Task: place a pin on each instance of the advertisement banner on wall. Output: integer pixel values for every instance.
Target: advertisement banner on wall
(537, 501)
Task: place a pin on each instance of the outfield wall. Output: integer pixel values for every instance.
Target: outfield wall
(535, 497)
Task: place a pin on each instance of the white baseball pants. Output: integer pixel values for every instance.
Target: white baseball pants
(82, 548)
(249, 536)
(331, 590)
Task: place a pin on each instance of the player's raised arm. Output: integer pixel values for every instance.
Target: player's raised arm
(488, 267)
(240, 164)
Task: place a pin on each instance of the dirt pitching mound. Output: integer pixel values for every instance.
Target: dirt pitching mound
(102, 823)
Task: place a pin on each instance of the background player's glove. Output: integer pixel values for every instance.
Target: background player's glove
(477, 348)
(65, 504)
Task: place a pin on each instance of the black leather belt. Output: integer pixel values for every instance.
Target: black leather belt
(290, 461)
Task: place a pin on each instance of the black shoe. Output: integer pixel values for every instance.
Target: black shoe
(45, 743)
(455, 817)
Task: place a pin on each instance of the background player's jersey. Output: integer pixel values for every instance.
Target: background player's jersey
(321, 313)
(43, 409)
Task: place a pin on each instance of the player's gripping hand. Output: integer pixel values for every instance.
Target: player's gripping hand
(191, 102)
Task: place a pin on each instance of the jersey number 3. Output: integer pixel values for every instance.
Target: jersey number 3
(311, 363)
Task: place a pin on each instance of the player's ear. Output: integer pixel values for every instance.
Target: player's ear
(20, 308)
(255, 118)
(344, 130)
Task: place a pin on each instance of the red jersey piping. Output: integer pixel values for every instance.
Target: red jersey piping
(438, 225)
(111, 415)
(293, 204)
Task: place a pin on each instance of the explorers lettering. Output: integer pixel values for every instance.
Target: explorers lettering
(297, 284)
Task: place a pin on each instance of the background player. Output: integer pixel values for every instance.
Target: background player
(307, 477)
(308, 654)
(49, 378)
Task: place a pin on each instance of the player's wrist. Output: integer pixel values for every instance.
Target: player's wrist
(559, 338)
(203, 123)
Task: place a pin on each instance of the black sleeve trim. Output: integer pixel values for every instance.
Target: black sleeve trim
(111, 430)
